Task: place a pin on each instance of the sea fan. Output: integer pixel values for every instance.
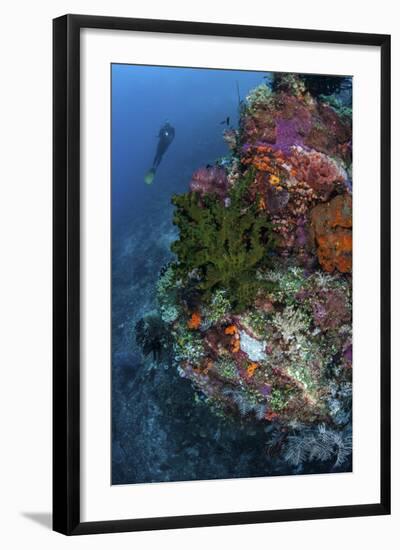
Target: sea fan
(246, 403)
(320, 444)
(151, 335)
(243, 405)
(340, 443)
(260, 410)
(296, 450)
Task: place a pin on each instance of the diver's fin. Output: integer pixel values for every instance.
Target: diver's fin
(149, 177)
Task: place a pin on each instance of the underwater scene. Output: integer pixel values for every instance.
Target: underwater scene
(231, 274)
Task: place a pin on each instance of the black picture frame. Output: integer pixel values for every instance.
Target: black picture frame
(66, 272)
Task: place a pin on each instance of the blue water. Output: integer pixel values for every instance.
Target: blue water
(194, 101)
(159, 433)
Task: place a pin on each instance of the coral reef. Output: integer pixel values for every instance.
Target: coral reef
(289, 115)
(257, 303)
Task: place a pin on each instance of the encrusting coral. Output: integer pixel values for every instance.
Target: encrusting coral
(331, 223)
(258, 301)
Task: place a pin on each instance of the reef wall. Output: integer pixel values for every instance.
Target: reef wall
(256, 310)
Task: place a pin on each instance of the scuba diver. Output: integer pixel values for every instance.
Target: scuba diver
(165, 138)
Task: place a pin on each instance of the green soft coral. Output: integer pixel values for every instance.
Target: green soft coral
(223, 245)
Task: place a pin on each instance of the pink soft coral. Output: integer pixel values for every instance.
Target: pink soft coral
(209, 180)
(322, 173)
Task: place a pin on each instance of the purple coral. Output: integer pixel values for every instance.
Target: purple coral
(291, 132)
(265, 389)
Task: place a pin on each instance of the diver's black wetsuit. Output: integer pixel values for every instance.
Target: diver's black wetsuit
(166, 137)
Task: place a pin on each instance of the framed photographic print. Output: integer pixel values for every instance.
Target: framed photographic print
(221, 274)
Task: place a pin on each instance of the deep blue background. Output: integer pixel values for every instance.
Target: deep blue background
(194, 101)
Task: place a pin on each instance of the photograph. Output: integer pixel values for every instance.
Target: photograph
(231, 273)
(200, 261)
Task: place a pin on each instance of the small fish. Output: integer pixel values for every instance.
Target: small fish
(226, 121)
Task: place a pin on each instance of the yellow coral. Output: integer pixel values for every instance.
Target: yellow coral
(274, 180)
(262, 205)
(231, 329)
(236, 345)
(251, 369)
